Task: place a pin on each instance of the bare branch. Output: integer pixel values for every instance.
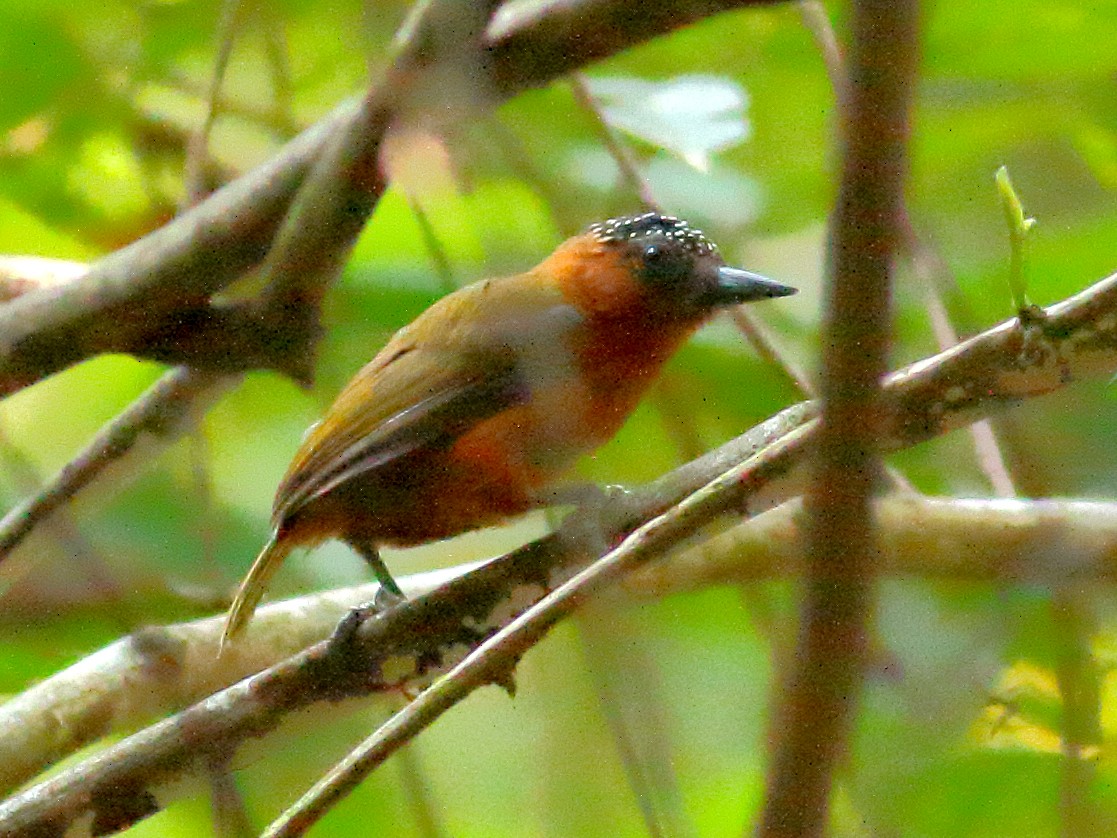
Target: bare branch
(144, 676)
(822, 688)
(22, 274)
(1048, 543)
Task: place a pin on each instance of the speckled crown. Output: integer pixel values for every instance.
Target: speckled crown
(653, 225)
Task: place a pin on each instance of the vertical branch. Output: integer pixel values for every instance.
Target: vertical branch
(926, 263)
(825, 682)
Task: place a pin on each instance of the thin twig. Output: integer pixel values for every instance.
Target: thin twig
(760, 339)
(814, 17)
(279, 62)
(626, 678)
(437, 253)
(160, 415)
(747, 322)
(197, 150)
(618, 149)
(194, 189)
(987, 449)
(992, 541)
(1077, 672)
(418, 794)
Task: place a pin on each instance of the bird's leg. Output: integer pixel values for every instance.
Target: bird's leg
(387, 595)
(368, 551)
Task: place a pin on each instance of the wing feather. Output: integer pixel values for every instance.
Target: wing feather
(435, 400)
(470, 356)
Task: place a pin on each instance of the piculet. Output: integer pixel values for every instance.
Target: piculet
(473, 412)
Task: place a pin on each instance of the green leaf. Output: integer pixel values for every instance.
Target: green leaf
(1018, 227)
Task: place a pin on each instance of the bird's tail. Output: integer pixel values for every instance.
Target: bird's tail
(251, 590)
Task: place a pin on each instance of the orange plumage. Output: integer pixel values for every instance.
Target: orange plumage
(473, 411)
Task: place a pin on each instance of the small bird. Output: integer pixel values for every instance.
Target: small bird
(472, 412)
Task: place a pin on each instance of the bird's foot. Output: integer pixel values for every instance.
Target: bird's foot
(384, 600)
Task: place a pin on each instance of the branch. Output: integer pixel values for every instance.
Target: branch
(20, 275)
(1076, 339)
(820, 696)
(156, 419)
(1047, 543)
(341, 190)
(146, 675)
(181, 265)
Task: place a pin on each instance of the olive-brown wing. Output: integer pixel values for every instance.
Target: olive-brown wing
(418, 397)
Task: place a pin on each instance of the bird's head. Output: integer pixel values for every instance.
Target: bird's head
(653, 262)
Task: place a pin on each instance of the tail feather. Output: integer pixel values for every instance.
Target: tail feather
(252, 589)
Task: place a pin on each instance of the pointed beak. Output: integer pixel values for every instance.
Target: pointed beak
(737, 286)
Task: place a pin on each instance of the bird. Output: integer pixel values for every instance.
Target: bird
(472, 413)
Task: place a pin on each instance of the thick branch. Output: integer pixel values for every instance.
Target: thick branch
(181, 265)
(21, 275)
(1049, 543)
(148, 674)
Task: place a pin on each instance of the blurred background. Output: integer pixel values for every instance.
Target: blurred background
(639, 712)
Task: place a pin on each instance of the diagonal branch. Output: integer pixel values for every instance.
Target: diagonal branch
(167, 409)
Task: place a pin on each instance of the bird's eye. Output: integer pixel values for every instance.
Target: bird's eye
(663, 265)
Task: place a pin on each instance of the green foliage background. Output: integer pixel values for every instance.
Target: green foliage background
(959, 733)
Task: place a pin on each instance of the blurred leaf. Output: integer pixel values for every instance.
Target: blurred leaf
(39, 61)
(692, 116)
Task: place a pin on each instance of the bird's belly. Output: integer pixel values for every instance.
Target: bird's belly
(497, 470)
